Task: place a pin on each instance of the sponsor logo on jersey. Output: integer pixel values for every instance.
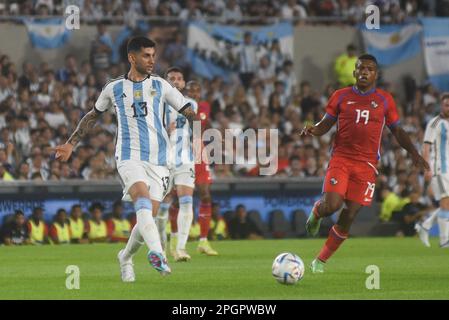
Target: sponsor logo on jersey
(334, 181)
(374, 104)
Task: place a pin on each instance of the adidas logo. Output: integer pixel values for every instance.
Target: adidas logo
(123, 95)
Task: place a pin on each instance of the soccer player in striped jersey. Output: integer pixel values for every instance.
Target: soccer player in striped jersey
(361, 112)
(436, 151)
(182, 172)
(142, 149)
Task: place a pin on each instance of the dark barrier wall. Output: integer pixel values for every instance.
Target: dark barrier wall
(262, 195)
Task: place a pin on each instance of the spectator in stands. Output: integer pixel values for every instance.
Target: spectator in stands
(231, 14)
(96, 227)
(16, 231)
(119, 227)
(344, 66)
(218, 229)
(70, 67)
(4, 174)
(37, 228)
(177, 51)
(247, 58)
(191, 12)
(60, 229)
(241, 227)
(101, 48)
(391, 202)
(411, 213)
(291, 10)
(77, 227)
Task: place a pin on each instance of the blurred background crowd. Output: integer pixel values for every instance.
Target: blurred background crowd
(40, 106)
(232, 11)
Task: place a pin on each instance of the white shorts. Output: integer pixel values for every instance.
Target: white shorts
(157, 178)
(440, 186)
(184, 175)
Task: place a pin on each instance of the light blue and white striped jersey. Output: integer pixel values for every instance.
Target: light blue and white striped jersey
(180, 141)
(139, 106)
(437, 134)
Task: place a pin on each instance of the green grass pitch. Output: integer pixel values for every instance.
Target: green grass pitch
(408, 270)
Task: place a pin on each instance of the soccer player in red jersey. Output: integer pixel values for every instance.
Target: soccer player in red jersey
(360, 111)
(203, 180)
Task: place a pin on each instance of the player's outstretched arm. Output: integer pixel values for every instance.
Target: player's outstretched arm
(320, 128)
(189, 114)
(404, 141)
(64, 151)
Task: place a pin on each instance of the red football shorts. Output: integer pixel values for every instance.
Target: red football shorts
(353, 180)
(202, 174)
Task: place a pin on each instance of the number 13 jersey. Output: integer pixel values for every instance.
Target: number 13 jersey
(139, 106)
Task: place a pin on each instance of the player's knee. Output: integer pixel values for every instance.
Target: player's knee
(333, 205)
(143, 203)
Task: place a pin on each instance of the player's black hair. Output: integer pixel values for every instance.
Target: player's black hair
(139, 42)
(172, 69)
(76, 206)
(367, 56)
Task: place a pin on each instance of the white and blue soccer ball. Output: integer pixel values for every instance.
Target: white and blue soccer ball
(288, 268)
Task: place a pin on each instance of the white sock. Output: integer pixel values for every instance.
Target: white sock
(443, 225)
(135, 241)
(203, 239)
(161, 222)
(185, 217)
(430, 220)
(147, 225)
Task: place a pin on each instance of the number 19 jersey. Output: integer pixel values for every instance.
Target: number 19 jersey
(139, 107)
(361, 118)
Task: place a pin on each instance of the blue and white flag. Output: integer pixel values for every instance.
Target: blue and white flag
(436, 51)
(392, 44)
(47, 33)
(209, 44)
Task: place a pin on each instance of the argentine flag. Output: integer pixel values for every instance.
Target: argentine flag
(47, 33)
(211, 39)
(392, 44)
(436, 51)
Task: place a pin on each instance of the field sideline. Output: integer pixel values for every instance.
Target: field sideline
(408, 270)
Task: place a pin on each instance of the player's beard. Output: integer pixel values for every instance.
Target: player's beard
(143, 70)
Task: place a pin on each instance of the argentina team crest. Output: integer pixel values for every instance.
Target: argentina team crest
(138, 94)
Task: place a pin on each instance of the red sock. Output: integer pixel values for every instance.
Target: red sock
(173, 216)
(204, 218)
(334, 241)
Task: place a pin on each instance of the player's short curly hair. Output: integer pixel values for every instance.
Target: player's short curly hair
(367, 56)
(137, 43)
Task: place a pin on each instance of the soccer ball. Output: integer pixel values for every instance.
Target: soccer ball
(288, 268)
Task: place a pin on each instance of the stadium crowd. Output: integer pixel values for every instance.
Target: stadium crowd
(40, 106)
(233, 11)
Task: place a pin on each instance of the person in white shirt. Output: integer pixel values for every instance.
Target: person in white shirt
(138, 98)
(247, 57)
(436, 149)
